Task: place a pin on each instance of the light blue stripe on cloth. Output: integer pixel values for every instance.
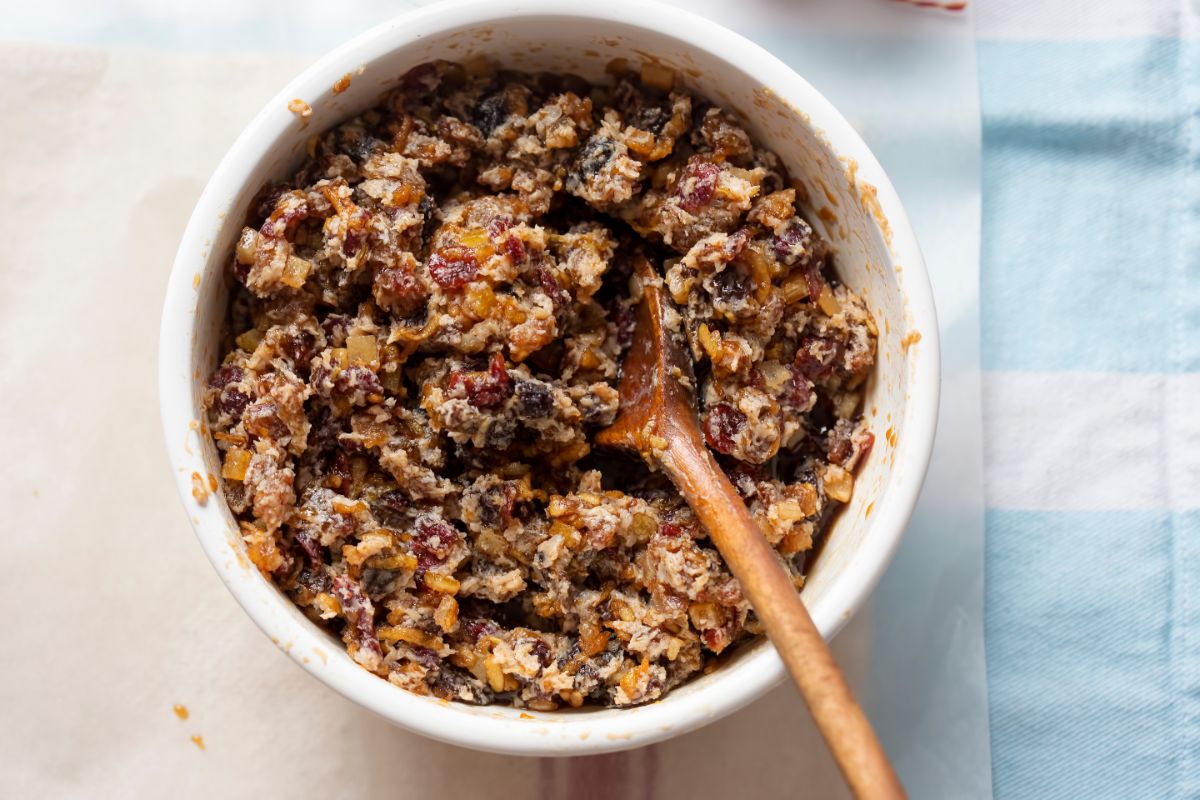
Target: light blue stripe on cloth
(1090, 263)
(1084, 175)
(1081, 641)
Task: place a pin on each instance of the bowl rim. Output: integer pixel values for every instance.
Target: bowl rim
(549, 734)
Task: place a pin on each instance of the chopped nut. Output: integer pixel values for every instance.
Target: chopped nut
(441, 583)
(839, 484)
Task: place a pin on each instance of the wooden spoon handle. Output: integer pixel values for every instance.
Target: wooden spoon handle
(770, 590)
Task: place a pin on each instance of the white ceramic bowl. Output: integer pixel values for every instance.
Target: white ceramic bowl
(848, 196)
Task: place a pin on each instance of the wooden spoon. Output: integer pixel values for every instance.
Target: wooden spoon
(657, 419)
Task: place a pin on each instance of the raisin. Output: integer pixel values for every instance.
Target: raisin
(477, 628)
(534, 400)
(298, 347)
(336, 327)
(225, 375)
(453, 267)
(232, 402)
(731, 287)
(489, 114)
(817, 356)
(595, 155)
(625, 323)
(722, 423)
(697, 184)
(651, 119)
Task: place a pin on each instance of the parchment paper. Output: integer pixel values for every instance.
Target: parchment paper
(114, 615)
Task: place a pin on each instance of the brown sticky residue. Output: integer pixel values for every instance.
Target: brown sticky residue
(301, 109)
(870, 202)
(910, 338)
(321, 654)
(180, 710)
(851, 174)
(828, 194)
(523, 715)
(870, 507)
(196, 281)
(212, 482)
(342, 83)
(198, 740)
(199, 489)
(890, 435)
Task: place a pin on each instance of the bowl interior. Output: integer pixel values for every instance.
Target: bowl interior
(836, 199)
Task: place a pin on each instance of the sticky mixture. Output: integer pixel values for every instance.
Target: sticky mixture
(425, 333)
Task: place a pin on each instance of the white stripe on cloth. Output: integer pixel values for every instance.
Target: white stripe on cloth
(1079, 19)
(1064, 441)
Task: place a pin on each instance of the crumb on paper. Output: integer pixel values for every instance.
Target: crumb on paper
(212, 482)
(910, 338)
(342, 83)
(198, 740)
(196, 281)
(523, 715)
(180, 710)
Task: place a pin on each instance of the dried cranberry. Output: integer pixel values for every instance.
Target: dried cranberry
(359, 612)
(357, 385)
(310, 545)
(697, 184)
(534, 400)
(625, 322)
(722, 423)
(477, 628)
(498, 226)
(432, 541)
(514, 248)
(398, 289)
(669, 531)
(550, 286)
(799, 390)
(793, 242)
(817, 356)
(453, 267)
(262, 421)
(483, 389)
